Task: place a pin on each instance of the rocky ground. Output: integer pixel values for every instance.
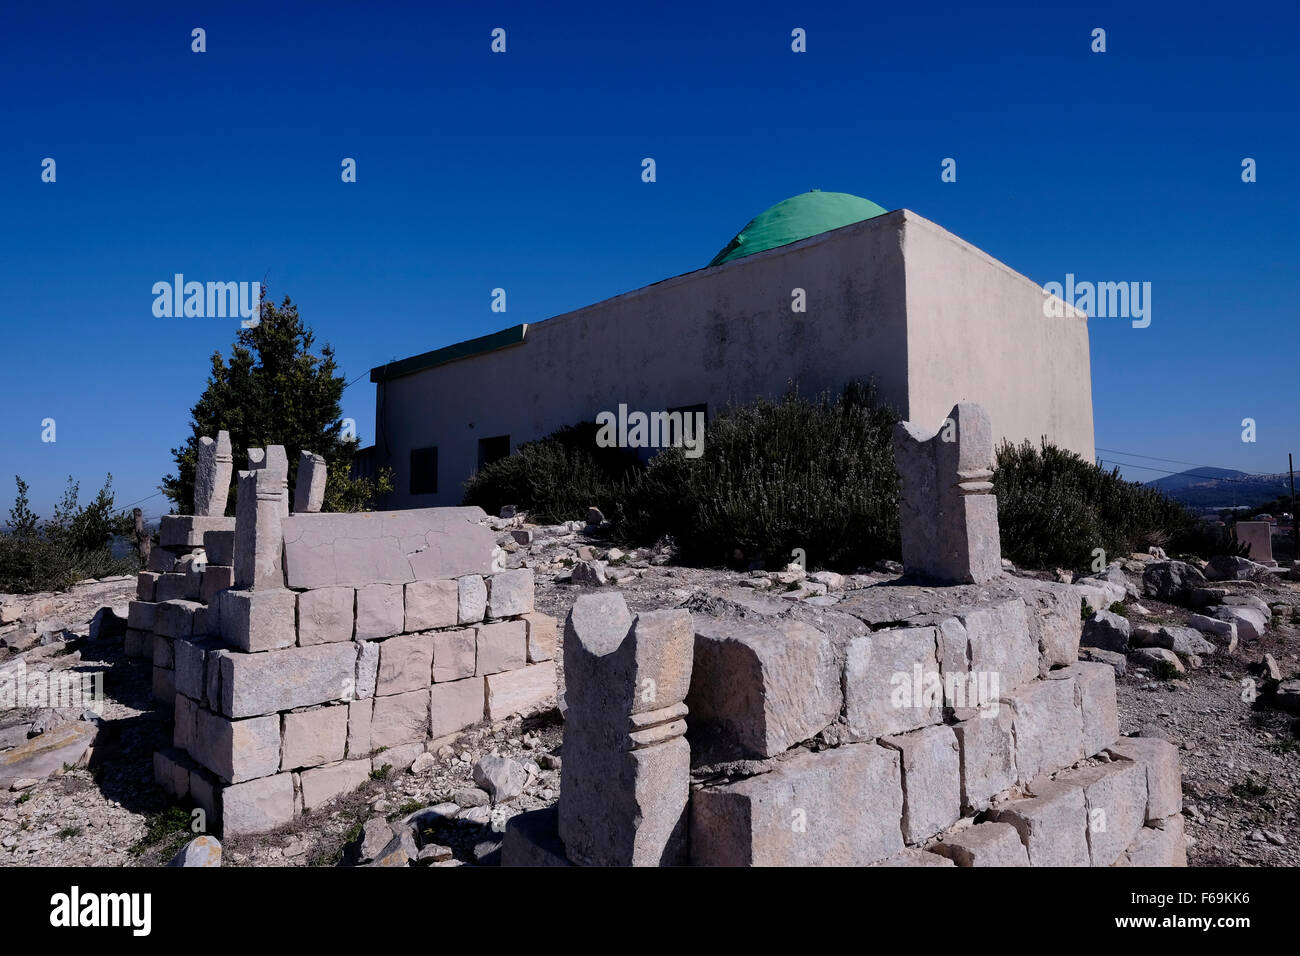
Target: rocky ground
(1240, 750)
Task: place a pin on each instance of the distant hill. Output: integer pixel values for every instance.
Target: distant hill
(1208, 489)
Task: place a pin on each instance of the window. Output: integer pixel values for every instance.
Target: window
(424, 471)
(490, 449)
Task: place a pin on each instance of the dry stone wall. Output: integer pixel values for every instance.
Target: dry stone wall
(300, 652)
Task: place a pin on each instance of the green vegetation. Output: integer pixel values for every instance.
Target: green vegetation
(166, 831)
(72, 545)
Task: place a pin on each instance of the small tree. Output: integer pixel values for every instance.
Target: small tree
(273, 390)
(22, 520)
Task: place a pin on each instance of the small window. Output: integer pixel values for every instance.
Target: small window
(490, 449)
(424, 471)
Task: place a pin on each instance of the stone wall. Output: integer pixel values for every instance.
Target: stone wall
(356, 641)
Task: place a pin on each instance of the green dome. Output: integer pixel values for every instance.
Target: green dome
(798, 217)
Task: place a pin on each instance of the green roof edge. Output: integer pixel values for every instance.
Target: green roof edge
(451, 353)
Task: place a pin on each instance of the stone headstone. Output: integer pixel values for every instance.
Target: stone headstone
(259, 514)
(626, 772)
(309, 489)
(1259, 535)
(948, 518)
(212, 475)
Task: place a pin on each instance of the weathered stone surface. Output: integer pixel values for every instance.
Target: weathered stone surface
(140, 615)
(518, 691)
(201, 851)
(1184, 641)
(472, 595)
(325, 615)
(1108, 631)
(913, 856)
(135, 643)
(501, 647)
(458, 704)
(1162, 845)
(839, 807)
(948, 519)
(216, 578)
(388, 547)
(931, 780)
(254, 621)
(380, 611)
(258, 805)
(533, 839)
(254, 684)
(161, 653)
(1054, 622)
(454, 654)
(186, 531)
(1227, 567)
(502, 778)
(542, 636)
(987, 751)
(1048, 727)
(190, 661)
(38, 757)
(997, 652)
(888, 685)
(220, 547)
(510, 593)
(1171, 581)
(626, 771)
(759, 688)
(161, 561)
(314, 737)
(164, 685)
(431, 604)
(175, 618)
(177, 586)
(400, 719)
(985, 844)
(1163, 663)
(405, 664)
(1250, 623)
(309, 489)
(1052, 825)
(236, 750)
(259, 513)
(367, 671)
(1164, 779)
(212, 475)
(322, 784)
(1094, 692)
(145, 584)
(1116, 662)
(359, 714)
(1115, 796)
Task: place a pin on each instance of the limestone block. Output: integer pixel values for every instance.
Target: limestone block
(380, 611)
(314, 737)
(431, 604)
(367, 672)
(400, 719)
(258, 805)
(472, 597)
(145, 584)
(510, 593)
(1094, 690)
(164, 685)
(1163, 843)
(542, 636)
(216, 578)
(986, 747)
(518, 691)
(140, 615)
(161, 561)
(454, 654)
(325, 615)
(212, 475)
(985, 844)
(890, 681)
(186, 531)
(259, 511)
(175, 618)
(220, 547)
(236, 750)
(388, 547)
(309, 490)
(212, 667)
(931, 780)
(1164, 779)
(405, 664)
(758, 688)
(914, 856)
(191, 656)
(177, 586)
(455, 705)
(205, 790)
(1048, 727)
(261, 620)
(359, 713)
(255, 684)
(161, 652)
(839, 807)
(399, 757)
(1054, 620)
(1001, 650)
(1250, 622)
(501, 647)
(1052, 825)
(171, 771)
(1115, 795)
(184, 721)
(322, 784)
(134, 643)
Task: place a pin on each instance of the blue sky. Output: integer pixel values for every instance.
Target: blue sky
(522, 170)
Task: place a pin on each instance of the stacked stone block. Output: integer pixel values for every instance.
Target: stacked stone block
(349, 642)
